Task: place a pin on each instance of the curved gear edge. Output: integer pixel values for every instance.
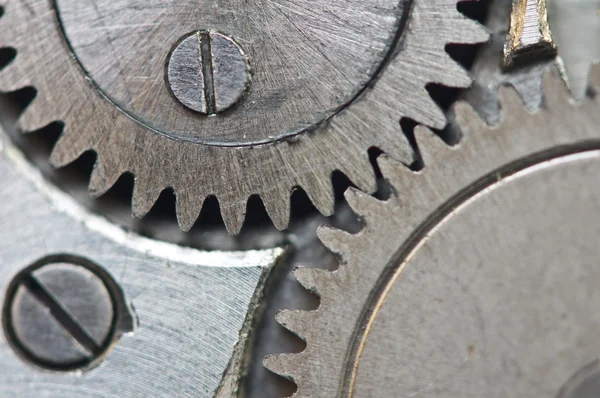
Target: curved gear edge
(318, 371)
(307, 163)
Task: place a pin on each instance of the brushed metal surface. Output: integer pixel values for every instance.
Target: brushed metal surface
(308, 59)
(500, 298)
(337, 331)
(190, 305)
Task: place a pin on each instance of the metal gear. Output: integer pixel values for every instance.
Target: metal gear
(575, 29)
(477, 277)
(311, 88)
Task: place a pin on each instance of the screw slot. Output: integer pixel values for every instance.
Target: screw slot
(208, 72)
(64, 313)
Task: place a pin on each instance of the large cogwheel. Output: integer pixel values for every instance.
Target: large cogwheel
(233, 99)
(478, 277)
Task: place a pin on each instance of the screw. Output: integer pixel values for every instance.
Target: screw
(208, 72)
(64, 313)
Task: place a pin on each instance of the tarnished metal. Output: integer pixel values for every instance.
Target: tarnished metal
(329, 81)
(477, 277)
(529, 37)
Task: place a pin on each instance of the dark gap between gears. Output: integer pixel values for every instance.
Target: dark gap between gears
(7, 55)
(19, 100)
(474, 9)
(60, 315)
(408, 128)
(463, 54)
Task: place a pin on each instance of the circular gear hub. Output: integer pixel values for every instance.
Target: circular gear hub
(266, 98)
(477, 277)
(306, 62)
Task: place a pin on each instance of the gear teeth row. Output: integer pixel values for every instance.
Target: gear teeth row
(447, 19)
(417, 194)
(489, 75)
(272, 172)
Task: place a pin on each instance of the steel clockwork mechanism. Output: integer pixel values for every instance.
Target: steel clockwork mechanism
(477, 277)
(231, 101)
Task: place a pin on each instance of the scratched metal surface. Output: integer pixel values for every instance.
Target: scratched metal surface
(294, 86)
(191, 306)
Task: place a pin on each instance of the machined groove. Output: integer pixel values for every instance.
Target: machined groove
(207, 72)
(61, 315)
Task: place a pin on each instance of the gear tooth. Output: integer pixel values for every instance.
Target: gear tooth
(478, 34)
(431, 146)
(314, 280)
(468, 31)
(362, 203)
(555, 91)
(361, 173)
(452, 74)
(324, 199)
(65, 151)
(11, 78)
(435, 117)
(511, 102)
(468, 119)
(33, 117)
(188, 209)
(102, 179)
(526, 89)
(393, 171)
(233, 215)
(144, 197)
(296, 321)
(335, 239)
(285, 365)
(277, 204)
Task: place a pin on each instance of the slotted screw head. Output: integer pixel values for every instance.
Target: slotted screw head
(61, 315)
(208, 72)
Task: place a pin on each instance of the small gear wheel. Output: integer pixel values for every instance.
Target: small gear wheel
(240, 99)
(478, 277)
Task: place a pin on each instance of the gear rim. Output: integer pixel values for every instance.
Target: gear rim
(270, 171)
(337, 351)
